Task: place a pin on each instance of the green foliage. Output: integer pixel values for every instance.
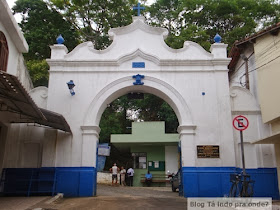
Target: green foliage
(153, 108)
(167, 114)
(94, 18)
(121, 157)
(38, 70)
(200, 20)
(41, 26)
(148, 108)
(165, 13)
(191, 33)
(115, 119)
(118, 116)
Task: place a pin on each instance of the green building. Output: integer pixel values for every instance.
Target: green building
(151, 149)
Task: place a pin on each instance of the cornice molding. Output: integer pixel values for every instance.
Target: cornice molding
(246, 112)
(125, 58)
(91, 130)
(186, 130)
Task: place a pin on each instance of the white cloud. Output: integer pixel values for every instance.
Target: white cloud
(11, 3)
(149, 2)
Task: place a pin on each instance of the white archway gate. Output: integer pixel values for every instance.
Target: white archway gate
(123, 86)
(191, 80)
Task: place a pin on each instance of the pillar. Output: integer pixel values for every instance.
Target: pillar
(188, 157)
(81, 181)
(90, 144)
(58, 51)
(89, 154)
(186, 135)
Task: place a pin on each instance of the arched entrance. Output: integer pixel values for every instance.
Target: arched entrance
(123, 86)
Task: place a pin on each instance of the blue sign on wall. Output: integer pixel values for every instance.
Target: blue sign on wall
(138, 64)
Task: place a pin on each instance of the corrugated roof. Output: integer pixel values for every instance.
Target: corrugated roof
(14, 95)
(17, 100)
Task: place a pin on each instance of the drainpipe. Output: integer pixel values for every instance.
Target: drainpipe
(246, 71)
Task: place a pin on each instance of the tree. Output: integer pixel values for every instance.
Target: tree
(153, 108)
(200, 20)
(94, 18)
(38, 70)
(41, 25)
(166, 14)
(117, 118)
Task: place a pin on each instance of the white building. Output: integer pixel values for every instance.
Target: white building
(254, 73)
(20, 143)
(191, 80)
(12, 45)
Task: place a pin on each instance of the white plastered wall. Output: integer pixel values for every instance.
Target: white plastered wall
(180, 77)
(256, 155)
(10, 140)
(171, 159)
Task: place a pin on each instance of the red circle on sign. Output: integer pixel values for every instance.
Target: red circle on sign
(241, 121)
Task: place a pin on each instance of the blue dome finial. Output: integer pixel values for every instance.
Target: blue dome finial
(59, 39)
(217, 38)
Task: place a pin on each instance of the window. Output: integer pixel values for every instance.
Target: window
(4, 52)
(139, 160)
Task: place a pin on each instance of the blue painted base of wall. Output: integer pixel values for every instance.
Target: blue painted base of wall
(215, 181)
(81, 181)
(76, 181)
(71, 181)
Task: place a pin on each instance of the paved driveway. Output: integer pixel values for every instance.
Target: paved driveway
(156, 192)
(109, 197)
(20, 203)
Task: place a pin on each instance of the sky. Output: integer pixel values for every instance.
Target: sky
(12, 2)
(18, 18)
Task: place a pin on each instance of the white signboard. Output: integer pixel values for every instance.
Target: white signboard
(142, 159)
(156, 164)
(104, 150)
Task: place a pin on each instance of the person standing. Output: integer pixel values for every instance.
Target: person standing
(130, 173)
(123, 173)
(114, 171)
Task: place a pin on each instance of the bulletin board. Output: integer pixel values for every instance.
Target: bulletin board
(156, 165)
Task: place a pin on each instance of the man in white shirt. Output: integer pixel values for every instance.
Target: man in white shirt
(114, 171)
(130, 173)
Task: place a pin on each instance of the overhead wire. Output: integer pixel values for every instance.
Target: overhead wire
(240, 78)
(269, 46)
